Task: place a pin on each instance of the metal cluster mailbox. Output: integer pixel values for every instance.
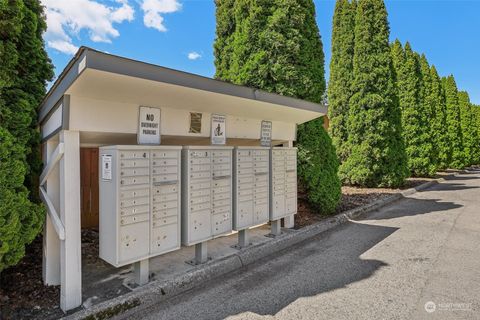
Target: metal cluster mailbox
(206, 193)
(250, 186)
(139, 202)
(283, 182)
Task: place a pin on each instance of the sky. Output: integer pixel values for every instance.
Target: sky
(179, 34)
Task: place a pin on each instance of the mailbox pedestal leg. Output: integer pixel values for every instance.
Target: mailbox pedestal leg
(289, 222)
(201, 253)
(243, 239)
(275, 227)
(140, 270)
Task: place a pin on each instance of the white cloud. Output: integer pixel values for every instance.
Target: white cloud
(153, 10)
(63, 46)
(65, 20)
(194, 55)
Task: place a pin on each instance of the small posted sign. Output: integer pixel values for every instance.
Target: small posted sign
(148, 125)
(266, 133)
(218, 135)
(106, 167)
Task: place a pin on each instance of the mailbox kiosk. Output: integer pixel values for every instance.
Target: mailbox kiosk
(97, 105)
(139, 203)
(283, 185)
(206, 196)
(251, 192)
(283, 182)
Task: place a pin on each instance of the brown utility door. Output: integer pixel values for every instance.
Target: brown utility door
(89, 187)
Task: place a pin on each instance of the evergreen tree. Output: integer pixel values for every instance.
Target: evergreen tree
(428, 114)
(24, 71)
(341, 74)
(377, 155)
(456, 156)
(276, 46)
(477, 125)
(476, 152)
(469, 131)
(439, 122)
(414, 116)
(223, 42)
(318, 166)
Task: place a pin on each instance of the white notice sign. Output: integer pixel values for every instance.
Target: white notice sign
(106, 167)
(148, 125)
(218, 135)
(266, 133)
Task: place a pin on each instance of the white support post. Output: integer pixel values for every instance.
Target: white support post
(70, 248)
(289, 221)
(51, 242)
(140, 271)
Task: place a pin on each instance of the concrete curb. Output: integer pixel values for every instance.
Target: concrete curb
(160, 290)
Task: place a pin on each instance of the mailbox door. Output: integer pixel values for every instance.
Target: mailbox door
(134, 205)
(165, 201)
(221, 192)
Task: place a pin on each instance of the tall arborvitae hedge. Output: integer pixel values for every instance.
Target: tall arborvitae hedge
(415, 117)
(341, 74)
(439, 122)
(24, 70)
(456, 155)
(476, 153)
(223, 44)
(276, 46)
(377, 155)
(35, 69)
(469, 131)
(427, 108)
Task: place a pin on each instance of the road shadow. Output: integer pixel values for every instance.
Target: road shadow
(451, 187)
(328, 262)
(464, 176)
(411, 207)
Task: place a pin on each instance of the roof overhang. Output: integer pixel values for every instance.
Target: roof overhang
(102, 76)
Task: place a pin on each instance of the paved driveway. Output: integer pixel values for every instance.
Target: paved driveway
(420, 253)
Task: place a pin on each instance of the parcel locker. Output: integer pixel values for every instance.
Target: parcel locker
(283, 182)
(139, 202)
(250, 186)
(206, 193)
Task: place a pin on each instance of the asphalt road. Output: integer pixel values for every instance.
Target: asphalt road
(419, 253)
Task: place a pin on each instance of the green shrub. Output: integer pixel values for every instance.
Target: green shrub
(24, 70)
(20, 219)
(318, 166)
